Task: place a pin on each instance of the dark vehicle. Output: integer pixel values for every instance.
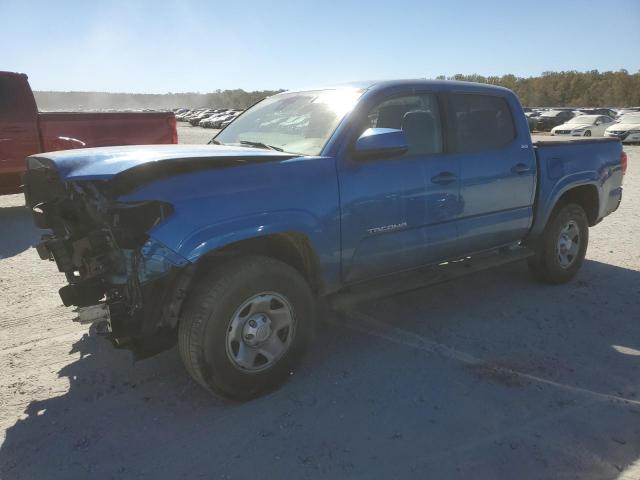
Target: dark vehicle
(25, 131)
(307, 197)
(532, 119)
(552, 118)
(600, 111)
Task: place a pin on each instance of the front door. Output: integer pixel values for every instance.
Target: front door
(398, 212)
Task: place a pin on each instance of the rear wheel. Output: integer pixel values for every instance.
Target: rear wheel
(563, 245)
(246, 326)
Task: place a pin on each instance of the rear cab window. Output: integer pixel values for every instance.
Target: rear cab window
(481, 122)
(16, 99)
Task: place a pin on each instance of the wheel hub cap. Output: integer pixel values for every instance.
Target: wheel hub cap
(260, 332)
(568, 244)
(256, 330)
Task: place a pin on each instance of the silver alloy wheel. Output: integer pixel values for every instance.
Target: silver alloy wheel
(568, 244)
(260, 332)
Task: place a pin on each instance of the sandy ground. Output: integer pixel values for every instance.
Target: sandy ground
(490, 376)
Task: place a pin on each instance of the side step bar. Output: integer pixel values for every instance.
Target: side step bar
(424, 277)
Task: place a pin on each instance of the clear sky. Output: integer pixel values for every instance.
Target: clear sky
(178, 46)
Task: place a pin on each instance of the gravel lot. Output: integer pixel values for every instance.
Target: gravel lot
(490, 376)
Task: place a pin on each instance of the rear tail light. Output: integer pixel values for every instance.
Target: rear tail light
(174, 131)
(623, 162)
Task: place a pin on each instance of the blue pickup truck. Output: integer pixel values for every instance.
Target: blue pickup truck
(227, 248)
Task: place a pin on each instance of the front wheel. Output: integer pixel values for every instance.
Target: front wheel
(563, 245)
(246, 326)
(587, 133)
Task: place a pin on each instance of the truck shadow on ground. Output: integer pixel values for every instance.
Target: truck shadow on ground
(18, 231)
(361, 405)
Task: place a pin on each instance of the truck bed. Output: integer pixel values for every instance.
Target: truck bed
(563, 140)
(591, 162)
(64, 130)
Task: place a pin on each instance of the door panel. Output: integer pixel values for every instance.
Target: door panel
(398, 219)
(498, 173)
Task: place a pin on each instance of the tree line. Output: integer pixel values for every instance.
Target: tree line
(568, 89)
(551, 89)
(120, 101)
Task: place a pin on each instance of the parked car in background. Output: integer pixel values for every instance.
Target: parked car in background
(532, 118)
(195, 120)
(208, 122)
(624, 111)
(608, 112)
(192, 114)
(226, 248)
(25, 131)
(584, 126)
(627, 129)
(217, 123)
(552, 118)
(181, 117)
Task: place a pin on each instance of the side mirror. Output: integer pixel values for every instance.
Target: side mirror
(381, 142)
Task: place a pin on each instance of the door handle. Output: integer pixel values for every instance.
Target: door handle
(444, 178)
(520, 168)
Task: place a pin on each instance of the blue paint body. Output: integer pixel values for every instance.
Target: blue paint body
(341, 203)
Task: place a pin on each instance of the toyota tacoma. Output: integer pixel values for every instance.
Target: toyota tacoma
(226, 249)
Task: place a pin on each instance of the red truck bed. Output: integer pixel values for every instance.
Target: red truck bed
(105, 129)
(25, 131)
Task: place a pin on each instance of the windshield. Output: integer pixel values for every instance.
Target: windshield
(298, 122)
(551, 113)
(584, 119)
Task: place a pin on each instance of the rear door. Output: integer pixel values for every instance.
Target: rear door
(497, 171)
(18, 129)
(399, 212)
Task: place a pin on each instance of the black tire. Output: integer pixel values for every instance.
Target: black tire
(587, 133)
(215, 302)
(546, 265)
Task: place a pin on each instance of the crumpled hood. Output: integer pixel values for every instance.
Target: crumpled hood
(106, 162)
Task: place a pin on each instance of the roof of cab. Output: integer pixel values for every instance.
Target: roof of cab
(410, 82)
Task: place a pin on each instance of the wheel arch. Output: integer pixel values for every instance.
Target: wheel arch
(584, 195)
(290, 247)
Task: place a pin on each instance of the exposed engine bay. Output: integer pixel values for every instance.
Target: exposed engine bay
(110, 262)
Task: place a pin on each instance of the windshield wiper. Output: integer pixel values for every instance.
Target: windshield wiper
(213, 141)
(261, 145)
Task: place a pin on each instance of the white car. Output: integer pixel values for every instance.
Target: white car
(626, 111)
(584, 126)
(627, 129)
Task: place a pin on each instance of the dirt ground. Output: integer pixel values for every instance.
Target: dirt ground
(490, 376)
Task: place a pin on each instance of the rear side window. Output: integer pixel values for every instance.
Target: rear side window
(483, 122)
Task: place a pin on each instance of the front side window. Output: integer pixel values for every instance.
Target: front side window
(297, 122)
(483, 122)
(417, 115)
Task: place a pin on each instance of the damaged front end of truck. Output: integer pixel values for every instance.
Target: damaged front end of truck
(119, 277)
